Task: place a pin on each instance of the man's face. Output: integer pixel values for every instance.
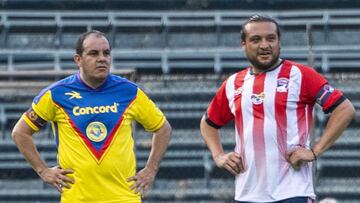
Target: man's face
(95, 60)
(261, 45)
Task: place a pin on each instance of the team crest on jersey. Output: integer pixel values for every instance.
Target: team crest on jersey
(282, 85)
(328, 88)
(258, 98)
(96, 131)
(324, 94)
(32, 115)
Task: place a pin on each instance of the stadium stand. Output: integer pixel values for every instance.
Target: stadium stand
(175, 52)
(152, 39)
(176, 4)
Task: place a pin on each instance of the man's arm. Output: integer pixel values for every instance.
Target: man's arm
(145, 177)
(232, 161)
(22, 136)
(339, 119)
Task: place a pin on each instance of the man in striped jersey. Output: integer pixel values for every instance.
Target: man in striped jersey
(272, 104)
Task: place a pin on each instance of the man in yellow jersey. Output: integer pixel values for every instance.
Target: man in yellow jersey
(91, 114)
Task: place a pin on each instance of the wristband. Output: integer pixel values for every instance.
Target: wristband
(315, 157)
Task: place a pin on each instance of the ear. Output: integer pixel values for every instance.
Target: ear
(77, 59)
(242, 43)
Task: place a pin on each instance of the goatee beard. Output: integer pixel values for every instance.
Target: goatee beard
(261, 66)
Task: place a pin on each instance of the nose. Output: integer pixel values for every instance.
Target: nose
(101, 57)
(264, 44)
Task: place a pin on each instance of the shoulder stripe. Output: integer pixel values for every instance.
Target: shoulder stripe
(68, 80)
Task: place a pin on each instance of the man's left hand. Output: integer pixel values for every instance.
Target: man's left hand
(298, 156)
(143, 180)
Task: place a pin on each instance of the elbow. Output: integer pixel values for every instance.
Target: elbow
(353, 113)
(20, 131)
(168, 128)
(203, 124)
(15, 135)
(202, 121)
(351, 110)
(348, 111)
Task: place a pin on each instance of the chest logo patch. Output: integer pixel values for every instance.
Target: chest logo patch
(282, 85)
(257, 98)
(96, 131)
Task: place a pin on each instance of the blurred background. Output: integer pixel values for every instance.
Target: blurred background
(179, 52)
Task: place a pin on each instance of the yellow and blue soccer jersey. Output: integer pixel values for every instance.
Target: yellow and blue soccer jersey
(92, 128)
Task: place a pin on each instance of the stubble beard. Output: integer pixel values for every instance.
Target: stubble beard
(264, 66)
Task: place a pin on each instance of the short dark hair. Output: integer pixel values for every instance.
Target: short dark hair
(79, 44)
(259, 18)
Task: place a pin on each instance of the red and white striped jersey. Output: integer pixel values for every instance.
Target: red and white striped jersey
(273, 113)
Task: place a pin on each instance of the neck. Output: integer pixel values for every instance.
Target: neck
(256, 70)
(93, 83)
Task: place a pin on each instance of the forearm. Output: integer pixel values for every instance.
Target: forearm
(337, 123)
(22, 137)
(160, 142)
(212, 139)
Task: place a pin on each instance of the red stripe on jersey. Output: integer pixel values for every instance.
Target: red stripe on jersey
(302, 122)
(304, 114)
(281, 97)
(219, 111)
(86, 141)
(258, 129)
(311, 84)
(100, 154)
(110, 138)
(238, 83)
(304, 109)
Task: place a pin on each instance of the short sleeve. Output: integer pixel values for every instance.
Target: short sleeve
(147, 113)
(218, 112)
(41, 111)
(320, 91)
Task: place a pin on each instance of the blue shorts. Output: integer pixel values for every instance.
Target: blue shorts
(290, 200)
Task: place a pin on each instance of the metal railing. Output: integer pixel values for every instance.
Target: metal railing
(173, 18)
(216, 59)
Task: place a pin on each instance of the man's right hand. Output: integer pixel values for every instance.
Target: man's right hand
(56, 177)
(232, 162)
